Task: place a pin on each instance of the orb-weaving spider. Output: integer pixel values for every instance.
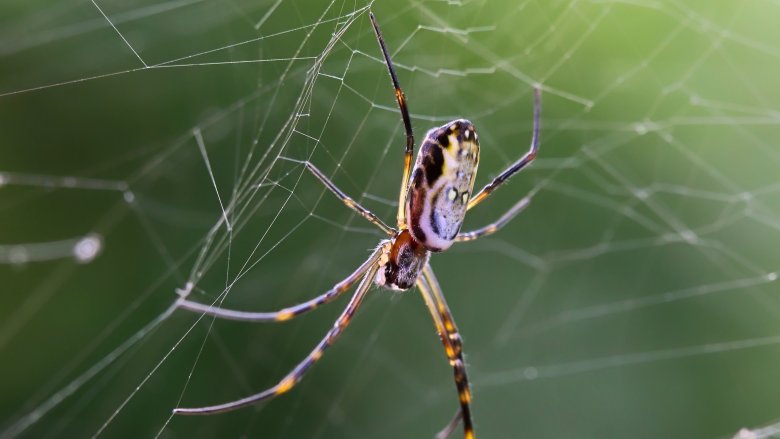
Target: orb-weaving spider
(434, 198)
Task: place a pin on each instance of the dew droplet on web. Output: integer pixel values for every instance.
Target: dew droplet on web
(87, 248)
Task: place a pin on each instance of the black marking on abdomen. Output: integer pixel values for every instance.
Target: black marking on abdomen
(433, 163)
(454, 232)
(417, 178)
(434, 213)
(444, 139)
(418, 232)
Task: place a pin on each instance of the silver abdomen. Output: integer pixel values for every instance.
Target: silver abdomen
(441, 184)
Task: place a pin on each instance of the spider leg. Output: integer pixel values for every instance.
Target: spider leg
(401, 99)
(285, 313)
(494, 227)
(451, 426)
(518, 165)
(346, 199)
(295, 376)
(450, 338)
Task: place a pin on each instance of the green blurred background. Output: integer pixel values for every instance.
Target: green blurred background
(636, 296)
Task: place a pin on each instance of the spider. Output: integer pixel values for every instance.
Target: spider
(434, 198)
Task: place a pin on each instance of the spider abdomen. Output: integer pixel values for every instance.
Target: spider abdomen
(441, 184)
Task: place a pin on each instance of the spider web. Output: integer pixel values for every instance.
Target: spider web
(151, 149)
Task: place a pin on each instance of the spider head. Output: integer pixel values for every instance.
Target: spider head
(401, 262)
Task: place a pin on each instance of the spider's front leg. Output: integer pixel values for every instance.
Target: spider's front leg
(285, 313)
(295, 376)
(448, 332)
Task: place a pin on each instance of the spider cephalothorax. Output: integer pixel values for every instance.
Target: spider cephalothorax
(401, 261)
(434, 198)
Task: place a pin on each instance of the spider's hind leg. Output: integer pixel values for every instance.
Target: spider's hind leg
(517, 166)
(498, 224)
(401, 100)
(347, 200)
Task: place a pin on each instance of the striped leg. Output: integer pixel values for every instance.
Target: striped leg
(448, 333)
(518, 165)
(401, 99)
(346, 199)
(295, 376)
(494, 227)
(289, 312)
